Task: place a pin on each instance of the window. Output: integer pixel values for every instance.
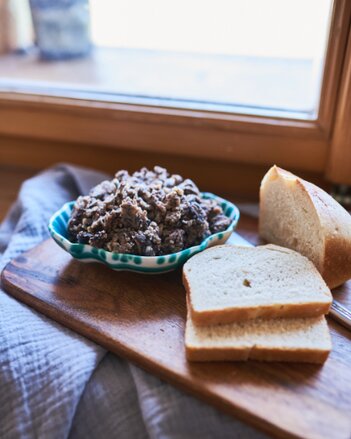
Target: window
(253, 57)
(245, 56)
(254, 81)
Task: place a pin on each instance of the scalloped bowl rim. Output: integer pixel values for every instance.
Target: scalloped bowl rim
(59, 238)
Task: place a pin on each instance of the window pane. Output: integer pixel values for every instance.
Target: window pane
(252, 56)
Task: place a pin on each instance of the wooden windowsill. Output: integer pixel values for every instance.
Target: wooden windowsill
(222, 177)
(235, 138)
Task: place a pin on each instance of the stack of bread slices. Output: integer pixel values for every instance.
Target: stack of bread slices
(268, 302)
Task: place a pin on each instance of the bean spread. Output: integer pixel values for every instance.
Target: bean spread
(147, 213)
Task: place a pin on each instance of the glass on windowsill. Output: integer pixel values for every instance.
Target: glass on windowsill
(62, 28)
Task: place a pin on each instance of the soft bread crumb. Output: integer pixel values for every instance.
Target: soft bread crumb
(230, 283)
(304, 339)
(299, 215)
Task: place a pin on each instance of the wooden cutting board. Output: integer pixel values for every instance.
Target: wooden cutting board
(141, 318)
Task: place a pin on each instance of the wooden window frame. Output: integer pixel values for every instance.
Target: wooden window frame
(257, 140)
(339, 163)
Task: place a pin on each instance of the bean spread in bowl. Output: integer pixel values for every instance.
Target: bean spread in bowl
(148, 213)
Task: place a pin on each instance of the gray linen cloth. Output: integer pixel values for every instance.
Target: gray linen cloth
(57, 384)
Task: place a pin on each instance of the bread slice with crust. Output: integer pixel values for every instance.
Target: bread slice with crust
(299, 215)
(227, 284)
(298, 340)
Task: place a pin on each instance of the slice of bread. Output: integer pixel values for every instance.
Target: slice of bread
(302, 340)
(226, 284)
(299, 215)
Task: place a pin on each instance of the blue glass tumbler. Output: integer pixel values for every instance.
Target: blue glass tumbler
(62, 28)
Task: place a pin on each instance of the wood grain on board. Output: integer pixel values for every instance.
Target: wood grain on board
(141, 318)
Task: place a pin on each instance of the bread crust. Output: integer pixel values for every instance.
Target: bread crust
(335, 222)
(257, 353)
(231, 315)
(337, 262)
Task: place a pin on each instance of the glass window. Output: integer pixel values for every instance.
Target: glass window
(252, 56)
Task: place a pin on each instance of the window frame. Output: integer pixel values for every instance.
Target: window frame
(339, 163)
(256, 140)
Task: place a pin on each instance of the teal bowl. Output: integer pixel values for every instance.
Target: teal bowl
(143, 264)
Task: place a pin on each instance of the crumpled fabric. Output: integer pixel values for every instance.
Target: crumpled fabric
(57, 384)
